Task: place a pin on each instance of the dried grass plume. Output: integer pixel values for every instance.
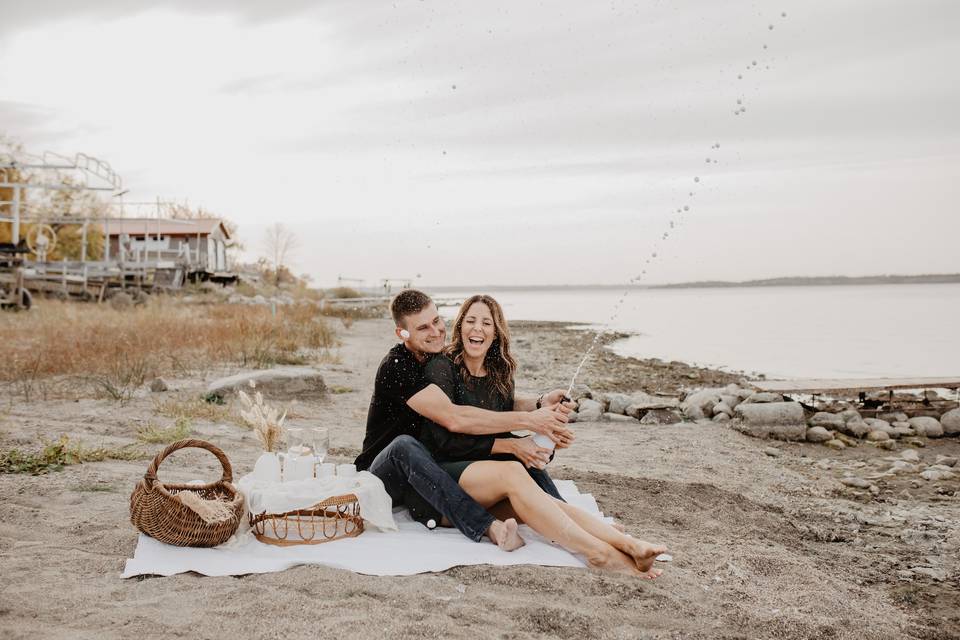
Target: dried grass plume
(267, 421)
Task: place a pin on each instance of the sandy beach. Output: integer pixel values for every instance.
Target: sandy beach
(766, 544)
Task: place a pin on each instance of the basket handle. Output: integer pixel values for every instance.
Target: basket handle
(151, 475)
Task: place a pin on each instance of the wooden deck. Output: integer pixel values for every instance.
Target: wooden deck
(828, 385)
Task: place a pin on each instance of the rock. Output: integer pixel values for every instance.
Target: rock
(878, 425)
(722, 407)
(914, 442)
(934, 475)
(889, 445)
(902, 466)
(618, 403)
(950, 422)
(835, 444)
(927, 426)
(643, 402)
(856, 483)
(580, 391)
(947, 461)
(878, 436)
(933, 573)
(721, 417)
(910, 455)
(850, 414)
(661, 416)
(826, 420)
(894, 416)
(730, 400)
(699, 404)
(159, 385)
(121, 300)
(902, 430)
(773, 452)
(589, 410)
(855, 428)
(847, 440)
(572, 417)
(763, 396)
(616, 417)
(818, 434)
(930, 395)
(259, 299)
(782, 420)
(282, 382)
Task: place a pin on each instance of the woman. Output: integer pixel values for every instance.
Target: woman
(478, 369)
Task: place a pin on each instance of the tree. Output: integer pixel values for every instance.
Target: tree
(280, 243)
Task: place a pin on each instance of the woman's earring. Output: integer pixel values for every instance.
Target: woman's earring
(404, 334)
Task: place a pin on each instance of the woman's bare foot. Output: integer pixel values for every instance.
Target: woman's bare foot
(643, 554)
(505, 534)
(611, 559)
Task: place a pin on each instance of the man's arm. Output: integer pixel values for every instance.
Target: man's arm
(432, 403)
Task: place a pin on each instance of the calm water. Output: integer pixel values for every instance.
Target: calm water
(838, 331)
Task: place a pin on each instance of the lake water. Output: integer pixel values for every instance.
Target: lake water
(826, 331)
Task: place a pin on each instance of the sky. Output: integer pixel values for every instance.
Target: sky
(466, 143)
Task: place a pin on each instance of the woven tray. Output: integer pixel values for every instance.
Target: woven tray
(155, 511)
(332, 519)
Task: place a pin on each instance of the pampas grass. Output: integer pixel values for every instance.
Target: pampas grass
(266, 421)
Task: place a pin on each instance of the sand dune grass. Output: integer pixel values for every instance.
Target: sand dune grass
(117, 350)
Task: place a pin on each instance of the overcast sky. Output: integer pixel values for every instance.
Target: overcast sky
(519, 142)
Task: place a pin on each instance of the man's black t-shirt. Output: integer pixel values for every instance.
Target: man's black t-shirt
(399, 378)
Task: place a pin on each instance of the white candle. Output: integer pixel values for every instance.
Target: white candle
(297, 468)
(346, 470)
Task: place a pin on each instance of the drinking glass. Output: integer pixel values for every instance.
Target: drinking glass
(320, 439)
(297, 444)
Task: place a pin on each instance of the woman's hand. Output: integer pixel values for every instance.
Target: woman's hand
(551, 421)
(531, 455)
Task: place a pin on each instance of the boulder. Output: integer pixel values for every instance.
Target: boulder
(572, 417)
(616, 417)
(878, 436)
(856, 483)
(661, 416)
(937, 474)
(847, 440)
(950, 422)
(826, 420)
(721, 417)
(850, 414)
(893, 416)
(782, 420)
(121, 300)
(282, 382)
(947, 461)
(818, 434)
(730, 400)
(580, 391)
(878, 425)
(642, 402)
(159, 385)
(910, 455)
(589, 410)
(722, 407)
(618, 403)
(902, 430)
(835, 444)
(927, 426)
(763, 396)
(699, 404)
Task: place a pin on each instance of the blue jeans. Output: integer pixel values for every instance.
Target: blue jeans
(405, 465)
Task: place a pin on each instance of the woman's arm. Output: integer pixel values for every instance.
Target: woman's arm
(529, 402)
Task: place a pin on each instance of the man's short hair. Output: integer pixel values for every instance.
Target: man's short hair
(407, 303)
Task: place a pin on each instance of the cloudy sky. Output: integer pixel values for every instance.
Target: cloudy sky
(519, 142)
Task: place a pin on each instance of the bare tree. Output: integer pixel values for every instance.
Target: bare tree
(280, 243)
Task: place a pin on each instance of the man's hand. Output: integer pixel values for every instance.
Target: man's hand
(551, 421)
(556, 397)
(531, 455)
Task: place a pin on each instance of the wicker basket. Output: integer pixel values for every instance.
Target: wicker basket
(333, 519)
(156, 512)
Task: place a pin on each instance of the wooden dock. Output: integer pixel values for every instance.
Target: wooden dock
(834, 385)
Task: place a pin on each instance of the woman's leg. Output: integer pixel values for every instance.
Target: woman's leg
(489, 482)
(643, 553)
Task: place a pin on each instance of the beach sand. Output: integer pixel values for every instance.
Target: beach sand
(763, 547)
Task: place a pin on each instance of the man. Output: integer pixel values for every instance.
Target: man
(402, 397)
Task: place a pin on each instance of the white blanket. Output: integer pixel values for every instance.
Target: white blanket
(411, 549)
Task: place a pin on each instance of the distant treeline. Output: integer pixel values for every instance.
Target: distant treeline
(796, 281)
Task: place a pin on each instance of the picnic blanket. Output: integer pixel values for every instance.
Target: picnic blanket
(409, 550)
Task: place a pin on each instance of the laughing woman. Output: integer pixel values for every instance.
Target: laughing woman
(478, 369)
